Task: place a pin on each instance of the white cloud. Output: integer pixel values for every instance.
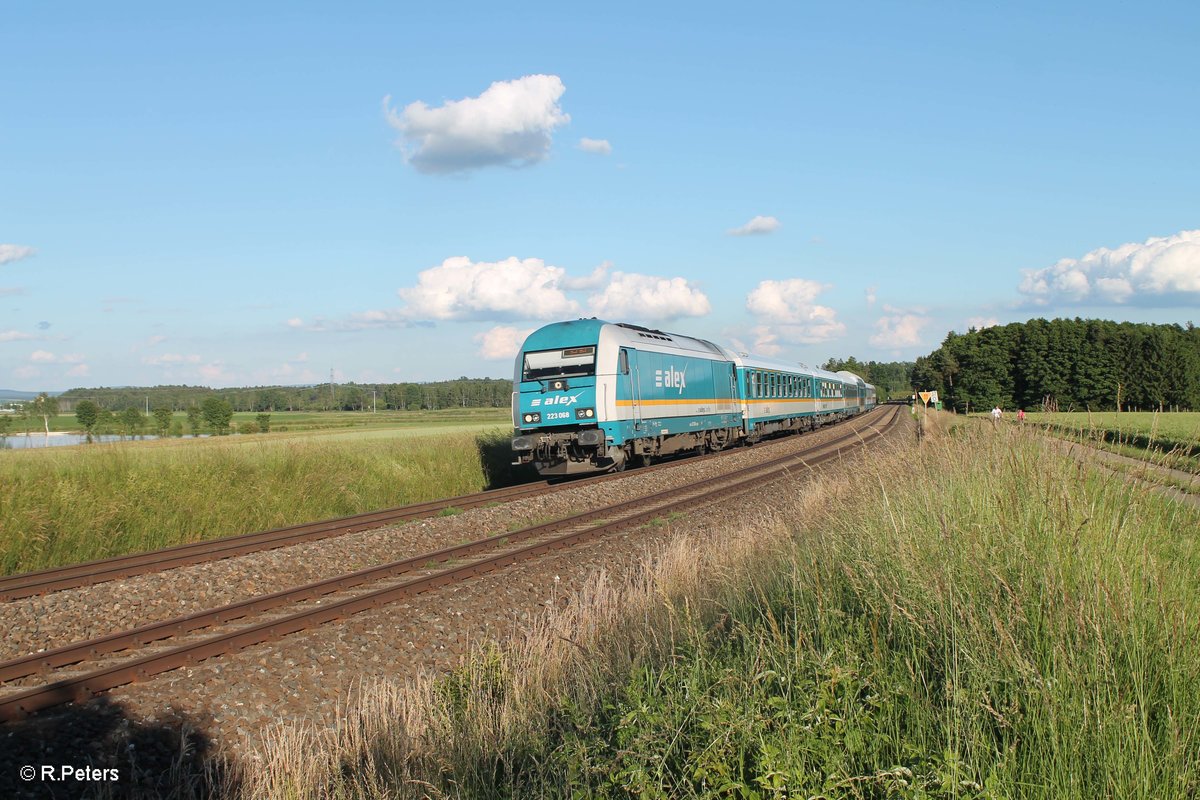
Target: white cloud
(899, 329)
(286, 373)
(80, 371)
(215, 372)
(27, 372)
(509, 124)
(871, 295)
(765, 341)
(758, 225)
(979, 323)
(600, 147)
(1158, 268)
(501, 342)
(168, 359)
(46, 357)
(648, 297)
(158, 339)
(8, 291)
(593, 281)
(295, 322)
(14, 336)
(460, 289)
(790, 305)
(14, 252)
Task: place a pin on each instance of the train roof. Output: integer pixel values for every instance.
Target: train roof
(583, 331)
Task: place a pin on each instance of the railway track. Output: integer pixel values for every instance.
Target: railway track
(107, 662)
(29, 584)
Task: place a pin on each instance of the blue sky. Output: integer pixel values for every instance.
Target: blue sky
(232, 194)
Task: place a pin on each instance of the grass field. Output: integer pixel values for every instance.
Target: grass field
(1181, 425)
(68, 504)
(1170, 438)
(979, 619)
(293, 421)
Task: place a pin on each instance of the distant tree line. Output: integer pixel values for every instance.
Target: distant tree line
(1066, 364)
(890, 378)
(463, 392)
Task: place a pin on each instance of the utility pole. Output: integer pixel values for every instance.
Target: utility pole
(372, 401)
(332, 397)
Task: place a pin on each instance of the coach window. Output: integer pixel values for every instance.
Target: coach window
(623, 362)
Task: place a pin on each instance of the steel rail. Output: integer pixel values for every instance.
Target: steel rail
(29, 584)
(73, 653)
(80, 687)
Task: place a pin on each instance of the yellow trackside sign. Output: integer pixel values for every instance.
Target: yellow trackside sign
(928, 397)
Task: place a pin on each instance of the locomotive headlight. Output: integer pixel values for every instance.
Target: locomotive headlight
(585, 413)
(534, 417)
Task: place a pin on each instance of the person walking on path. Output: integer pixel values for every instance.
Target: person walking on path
(996, 414)
(1020, 415)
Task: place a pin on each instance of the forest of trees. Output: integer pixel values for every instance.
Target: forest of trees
(464, 392)
(1066, 364)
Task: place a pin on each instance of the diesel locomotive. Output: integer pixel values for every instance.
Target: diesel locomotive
(594, 396)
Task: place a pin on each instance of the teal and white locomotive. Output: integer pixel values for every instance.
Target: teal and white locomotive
(592, 396)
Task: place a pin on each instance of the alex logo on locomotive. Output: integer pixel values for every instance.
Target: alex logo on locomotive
(560, 400)
(671, 379)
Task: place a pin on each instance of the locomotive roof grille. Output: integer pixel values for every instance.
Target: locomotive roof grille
(645, 333)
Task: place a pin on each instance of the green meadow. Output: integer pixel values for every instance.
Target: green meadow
(1171, 437)
(61, 505)
(295, 421)
(1180, 425)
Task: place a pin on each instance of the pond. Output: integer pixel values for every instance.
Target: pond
(20, 441)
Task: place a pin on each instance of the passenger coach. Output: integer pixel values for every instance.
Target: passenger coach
(591, 396)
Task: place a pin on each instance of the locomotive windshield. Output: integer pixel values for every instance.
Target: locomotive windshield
(560, 363)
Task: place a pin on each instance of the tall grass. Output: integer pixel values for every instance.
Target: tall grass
(982, 618)
(79, 504)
